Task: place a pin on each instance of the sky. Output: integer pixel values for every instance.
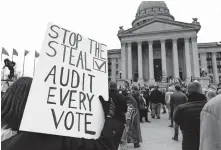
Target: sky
(23, 23)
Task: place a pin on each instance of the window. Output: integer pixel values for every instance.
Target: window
(116, 72)
(200, 62)
(155, 9)
(116, 59)
(209, 63)
(209, 55)
(219, 70)
(199, 55)
(218, 56)
(117, 66)
(210, 70)
(162, 9)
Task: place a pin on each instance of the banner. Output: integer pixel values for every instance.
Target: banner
(70, 75)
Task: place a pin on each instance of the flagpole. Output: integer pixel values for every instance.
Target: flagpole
(34, 68)
(23, 66)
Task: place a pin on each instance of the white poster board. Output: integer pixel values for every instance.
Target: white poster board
(70, 75)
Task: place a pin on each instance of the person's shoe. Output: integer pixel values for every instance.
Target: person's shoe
(153, 117)
(136, 145)
(175, 138)
(141, 121)
(164, 112)
(171, 126)
(147, 121)
(158, 117)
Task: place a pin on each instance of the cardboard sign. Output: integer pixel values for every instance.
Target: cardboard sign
(70, 75)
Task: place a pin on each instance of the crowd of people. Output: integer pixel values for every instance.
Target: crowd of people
(196, 111)
(184, 105)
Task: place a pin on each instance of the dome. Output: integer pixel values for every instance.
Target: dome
(152, 9)
(151, 4)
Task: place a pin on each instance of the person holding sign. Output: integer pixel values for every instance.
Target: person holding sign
(13, 106)
(66, 86)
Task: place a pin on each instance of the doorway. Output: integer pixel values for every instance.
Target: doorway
(181, 75)
(157, 70)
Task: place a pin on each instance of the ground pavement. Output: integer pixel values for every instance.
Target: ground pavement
(158, 136)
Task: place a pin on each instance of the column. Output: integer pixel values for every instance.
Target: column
(140, 62)
(215, 72)
(195, 57)
(151, 70)
(123, 63)
(204, 61)
(187, 59)
(113, 69)
(164, 61)
(130, 76)
(175, 59)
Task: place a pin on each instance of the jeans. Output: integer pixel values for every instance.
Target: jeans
(168, 108)
(156, 109)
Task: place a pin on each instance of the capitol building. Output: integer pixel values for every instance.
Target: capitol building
(157, 48)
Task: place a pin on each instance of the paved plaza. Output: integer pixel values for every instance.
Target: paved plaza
(158, 136)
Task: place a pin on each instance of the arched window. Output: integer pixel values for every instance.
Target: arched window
(211, 79)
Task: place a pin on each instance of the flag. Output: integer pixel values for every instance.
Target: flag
(4, 51)
(26, 52)
(15, 52)
(36, 54)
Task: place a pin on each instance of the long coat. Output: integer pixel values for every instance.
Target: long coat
(133, 121)
(188, 117)
(210, 125)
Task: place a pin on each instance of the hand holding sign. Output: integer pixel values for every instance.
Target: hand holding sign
(63, 99)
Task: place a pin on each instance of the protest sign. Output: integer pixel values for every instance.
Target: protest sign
(70, 75)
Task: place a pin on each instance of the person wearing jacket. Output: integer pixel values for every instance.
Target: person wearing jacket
(187, 116)
(146, 95)
(176, 99)
(156, 100)
(133, 120)
(143, 109)
(210, 125)
(13, 106)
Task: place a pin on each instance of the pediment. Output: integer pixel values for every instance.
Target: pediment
(160, 26)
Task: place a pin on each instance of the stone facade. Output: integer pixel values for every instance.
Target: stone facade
(157, 48)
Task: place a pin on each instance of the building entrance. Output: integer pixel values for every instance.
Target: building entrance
(157, 70)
